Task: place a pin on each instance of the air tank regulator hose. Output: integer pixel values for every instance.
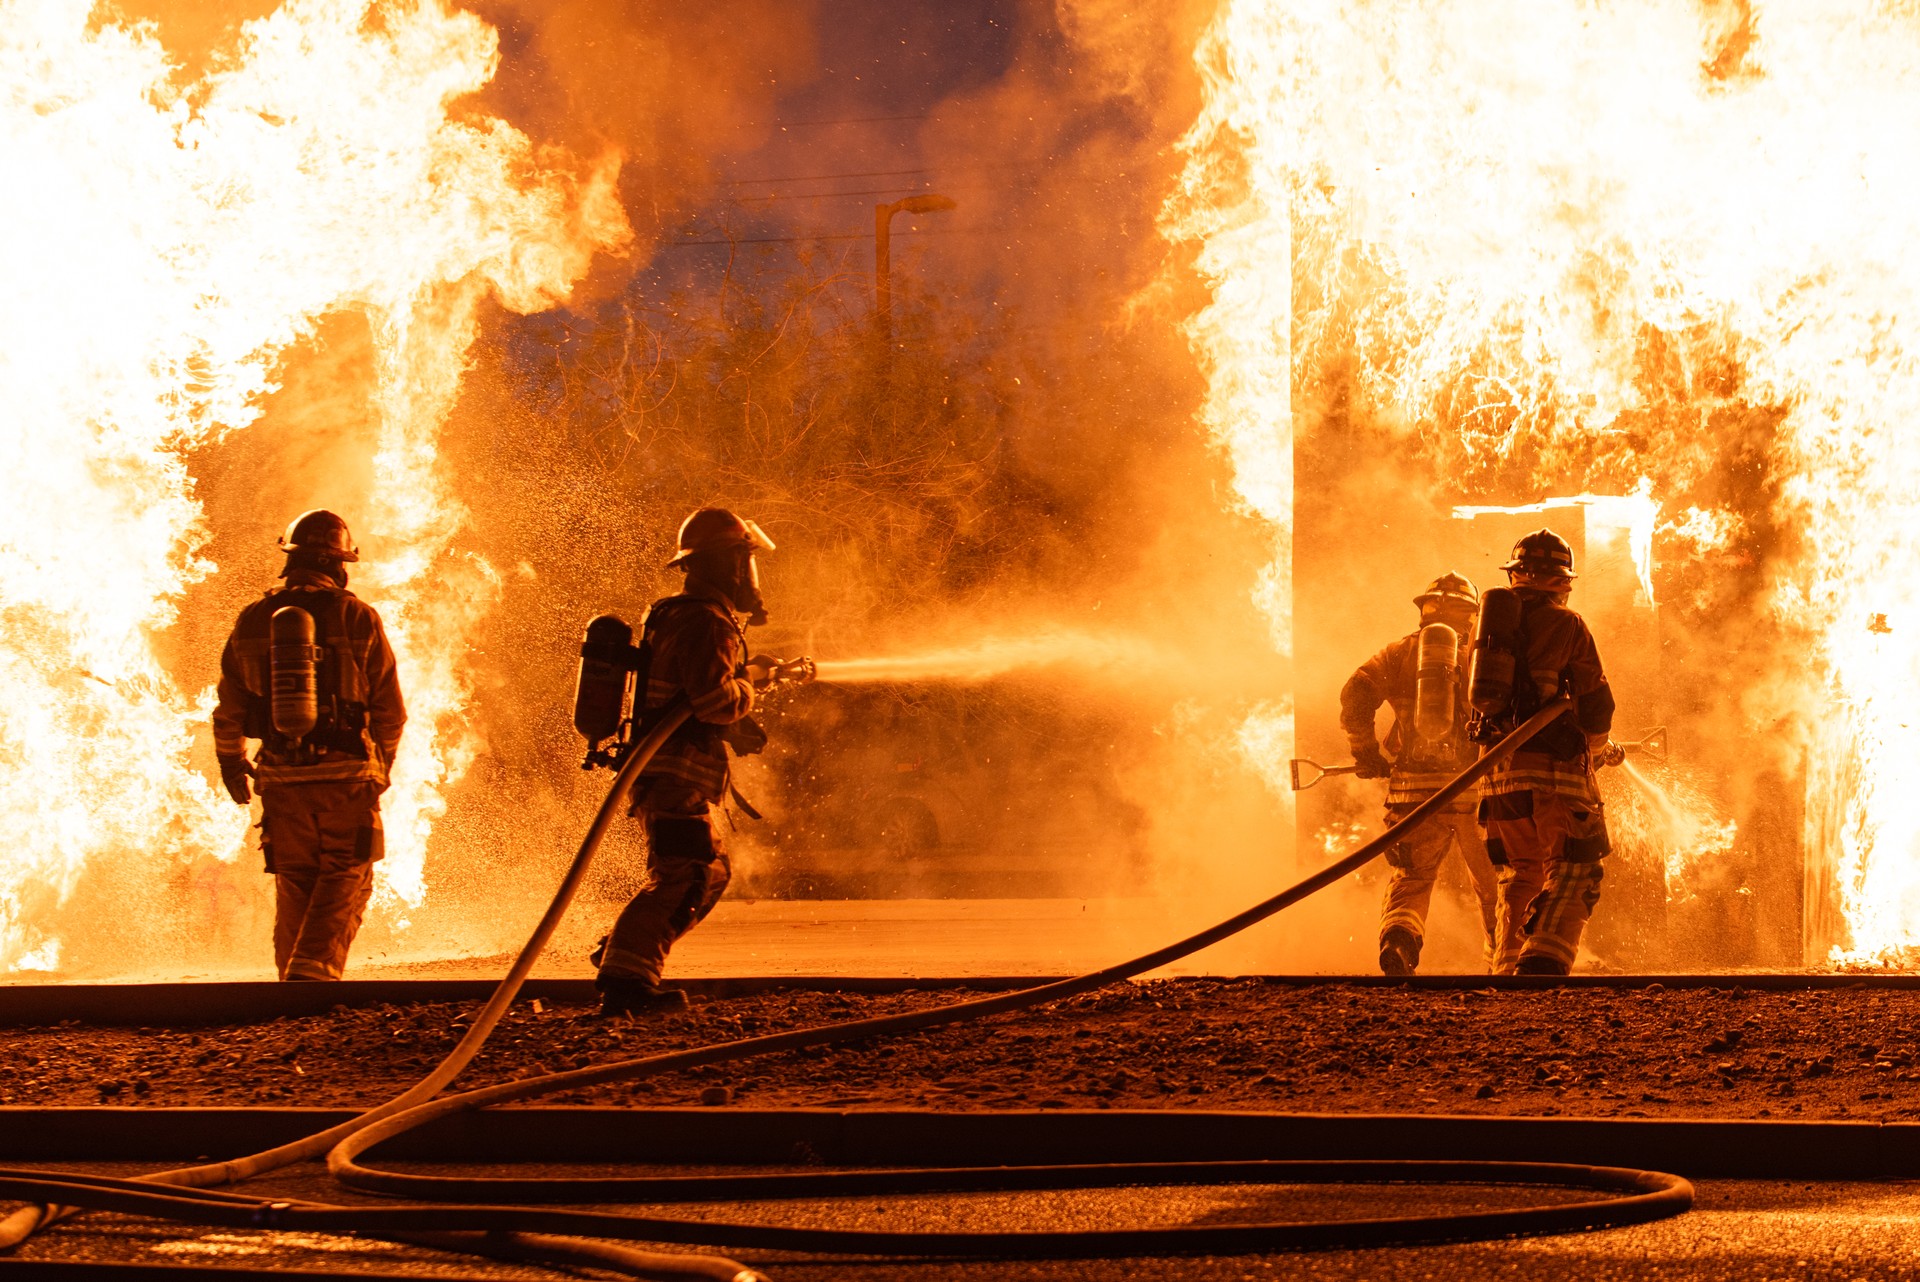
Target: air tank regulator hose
(528, 1219)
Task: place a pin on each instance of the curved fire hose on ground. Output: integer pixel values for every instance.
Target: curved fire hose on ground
(506, 1218)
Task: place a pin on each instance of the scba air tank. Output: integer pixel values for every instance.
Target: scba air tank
(604, 689)
(294, 661)
(1436, 682)
(1496, 652)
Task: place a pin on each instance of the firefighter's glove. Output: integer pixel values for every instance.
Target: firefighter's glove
(1373, 763)
(760, 670)
(1612, 754)
(745, 737)
(235, 772)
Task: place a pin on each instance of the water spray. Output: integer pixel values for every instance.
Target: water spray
(1659, 796)
(1086, 653)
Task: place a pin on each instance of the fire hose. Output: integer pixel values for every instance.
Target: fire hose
(509, 1218)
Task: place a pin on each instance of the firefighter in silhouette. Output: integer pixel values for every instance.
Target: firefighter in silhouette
(1540, 809)
(1419, 765)
(696, 645)
(308, 673)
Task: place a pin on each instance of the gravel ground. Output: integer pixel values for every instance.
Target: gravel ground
(1185, 1043)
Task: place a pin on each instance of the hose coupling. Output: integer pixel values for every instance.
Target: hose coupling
(268, 1215)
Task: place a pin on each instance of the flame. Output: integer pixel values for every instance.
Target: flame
(1266, 738)
(1231, 205)
(1608, 515)
(1557, 242)
(1338, 839)
(164, 244)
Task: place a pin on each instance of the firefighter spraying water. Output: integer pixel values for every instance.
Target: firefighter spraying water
(308, 673)
(1545, 827)
(692, 654)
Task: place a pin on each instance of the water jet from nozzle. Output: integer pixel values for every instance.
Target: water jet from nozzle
(1086, 653)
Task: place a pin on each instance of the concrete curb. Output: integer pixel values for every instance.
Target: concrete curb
(1746, 1149)
(98, 1271)
(169, 1005)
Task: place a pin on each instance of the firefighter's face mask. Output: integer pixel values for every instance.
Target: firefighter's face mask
(747, 594)
(736, 574)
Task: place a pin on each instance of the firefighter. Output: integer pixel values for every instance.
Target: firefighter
(696, 645)
(1545, 827)
(1419, 766)
(309, 674)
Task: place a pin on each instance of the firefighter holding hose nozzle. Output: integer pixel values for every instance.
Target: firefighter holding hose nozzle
(1420, 678)
(692, 645)
(1545, 827)
(309, 674)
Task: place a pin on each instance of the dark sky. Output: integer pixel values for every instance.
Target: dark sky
(847, 137)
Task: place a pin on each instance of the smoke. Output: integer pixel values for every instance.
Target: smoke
(1009, 523)
(670, 90)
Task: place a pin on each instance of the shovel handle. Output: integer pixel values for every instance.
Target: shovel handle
(1319, 772)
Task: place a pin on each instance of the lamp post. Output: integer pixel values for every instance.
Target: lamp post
(883, 254)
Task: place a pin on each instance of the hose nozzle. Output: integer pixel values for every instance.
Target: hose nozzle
(1652, 743)
(795, 672)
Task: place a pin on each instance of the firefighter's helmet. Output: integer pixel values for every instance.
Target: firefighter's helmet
(1450, 589)
(320, 531)
(1542, 553)
(712, 528)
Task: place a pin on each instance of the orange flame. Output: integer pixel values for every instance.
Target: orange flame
(162, 245)
(1232, 204)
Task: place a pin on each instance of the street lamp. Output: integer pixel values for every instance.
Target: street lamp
(883, 253)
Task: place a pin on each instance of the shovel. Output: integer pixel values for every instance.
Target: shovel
(1317, 772)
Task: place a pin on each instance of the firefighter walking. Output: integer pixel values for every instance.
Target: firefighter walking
(308, 673)
(1428, 746)
(693, 645)
(1545, 827)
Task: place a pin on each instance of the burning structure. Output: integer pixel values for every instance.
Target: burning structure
(1537, 250)
(1409, 268)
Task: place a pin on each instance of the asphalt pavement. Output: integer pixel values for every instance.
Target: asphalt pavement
(1738, 1231)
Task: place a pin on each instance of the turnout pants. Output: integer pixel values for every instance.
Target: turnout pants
(687, 873)
(320, 841)
(1547, 848)
(1416, 863)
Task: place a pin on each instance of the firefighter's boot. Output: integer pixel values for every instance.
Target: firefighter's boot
(636, 998)
(1399, 951)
